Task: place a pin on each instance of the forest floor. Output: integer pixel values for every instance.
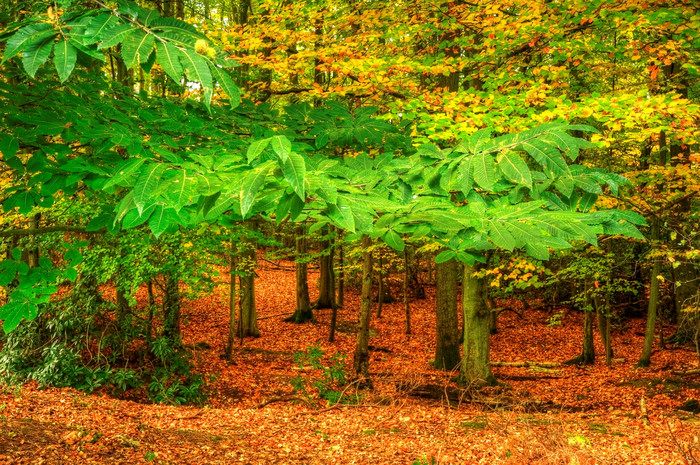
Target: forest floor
(568, 414)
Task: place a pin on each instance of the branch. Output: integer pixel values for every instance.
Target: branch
(47, 230)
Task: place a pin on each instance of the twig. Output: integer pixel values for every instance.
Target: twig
(285, 398)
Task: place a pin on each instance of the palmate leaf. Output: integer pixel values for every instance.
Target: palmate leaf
(168, 57)
(20, 306)
(64, 58)
(137, 47)
(36, 54)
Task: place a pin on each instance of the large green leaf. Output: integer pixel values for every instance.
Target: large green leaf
(514, 168)
(478, 139)
(501, 236)
(196, 68)
(116, 35)
(256, 148)
(146, 184)
(98, 25)
(168, 57)
(64, 58)
(137, 47)
(252, 183)
(484, 170)
(547, 156)
(161, 219)
(31, 34)
(124, 171)
(9, 146)
(228, 86)
(294, 171)
(182, 190)
(20, 305)
(282, 146)
(36, 54)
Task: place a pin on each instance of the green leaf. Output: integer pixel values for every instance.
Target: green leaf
(342, 216)
(9, 146)
(252, 183)
(444, 256)
(98, 25)
(256, 148)
(478, 139)
(137, 47)
(8, 273)
(34, 33)
(282, 146)
(182, 189)
(514, 168)
(228, 86)
(64, 58)
(100, 222)
(294, 171)
(547, 156)
(500, 236)
(393, 240)
(484, 170)
(116, 35)
(196, 68)
(126, 169)
(146, 184)
(36, 54)
(168, 57)
(13, 312)
(161, 219)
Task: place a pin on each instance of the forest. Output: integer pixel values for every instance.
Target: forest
(349, 231)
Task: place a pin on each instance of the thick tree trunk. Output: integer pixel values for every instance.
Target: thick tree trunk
(123, 314)
(248, 316)
(326, 280)
(341, 276)
(645, 357)
(361, 357)
(447, 344)
(303, 312)
(380, 291)
(475, 367)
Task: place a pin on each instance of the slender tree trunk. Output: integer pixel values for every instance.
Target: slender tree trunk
(645, 357)
(231, 305)
(341, 276)
(303, 312)
(447, 342)
(151, 312)
(406, 307)
(602, 308)
(475, 367)
(361, 357)
(248, 317)
(171, 309)
(380, 291)
(123, 314)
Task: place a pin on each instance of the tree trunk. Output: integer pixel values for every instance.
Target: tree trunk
(380, 291)
(341, 276)
(123, 313)
(361, 357)
(248, 316)
(447, 345)
(645, 358)
(475, 367)
(326, 280)
(151, 312)
(231, 306)
(406, 307)
(602, 308)
(171, 309)
(303, 312)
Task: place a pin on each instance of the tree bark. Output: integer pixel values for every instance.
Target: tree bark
(231, 305)
(361, 357)
(406, 306)
(475, 368)
(645, 357)
(171, 309)
(447, 341)
(248, 316)
(326, 280)
(303, 312)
